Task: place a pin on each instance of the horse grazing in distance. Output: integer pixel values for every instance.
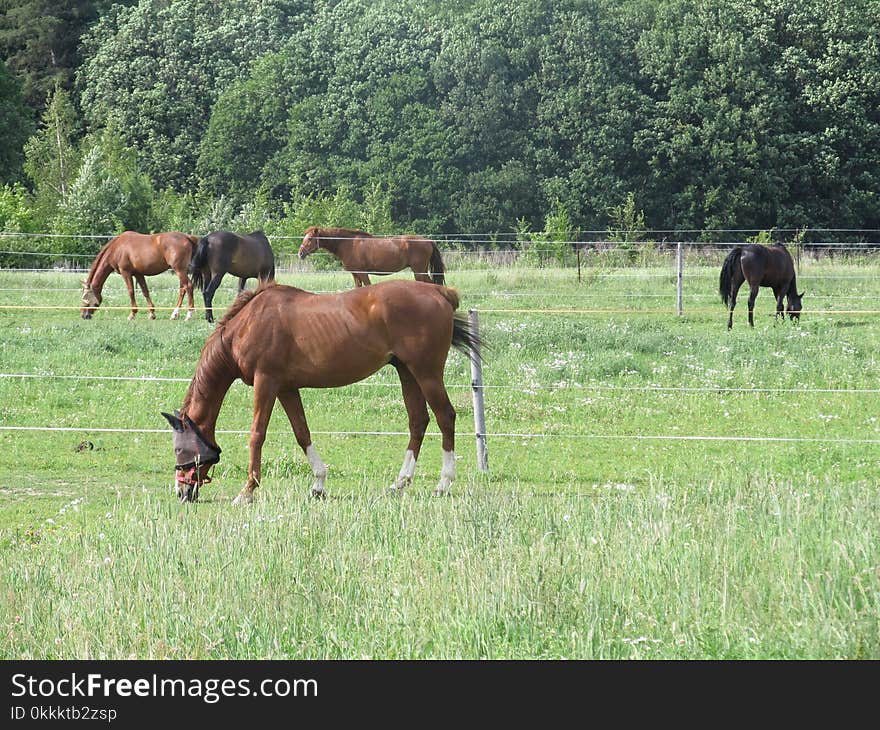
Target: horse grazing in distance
(770, 266)
(363, 254)
(280, 339)
(223, 252)
(136, 255)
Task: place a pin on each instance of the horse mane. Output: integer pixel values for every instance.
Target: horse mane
(216, 357)
(338, 232)
(102, 254)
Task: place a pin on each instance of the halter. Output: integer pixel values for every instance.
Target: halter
(187, 474)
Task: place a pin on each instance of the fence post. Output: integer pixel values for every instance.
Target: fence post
(477, 393)
(680, 280)
(577, 248)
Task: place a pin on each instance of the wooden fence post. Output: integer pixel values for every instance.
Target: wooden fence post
(680, 280)
(477, 393)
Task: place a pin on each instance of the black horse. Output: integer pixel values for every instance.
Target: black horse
(221, 252)
(761, 266)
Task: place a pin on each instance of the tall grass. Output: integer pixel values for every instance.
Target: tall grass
(585, 540)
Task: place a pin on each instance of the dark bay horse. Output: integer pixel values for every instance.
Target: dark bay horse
(223, 252)
(761, 266)
(280, 339)
(136, 255)
(363, 254)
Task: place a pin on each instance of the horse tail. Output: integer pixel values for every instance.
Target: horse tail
(198, 262)
(728, 268)
(465, 339)
(435, 266)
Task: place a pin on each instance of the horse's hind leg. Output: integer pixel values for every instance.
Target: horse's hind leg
(265, 393)
(421, 272)
(182, 280)
(361, 279)
(242, 283)
(191, 305)
(437, 397)
(208, 294)
(753, 294)
(734, 290)
(142, 282)
(417, 410)
(293, 407)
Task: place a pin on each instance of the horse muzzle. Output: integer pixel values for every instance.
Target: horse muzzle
(188, 483)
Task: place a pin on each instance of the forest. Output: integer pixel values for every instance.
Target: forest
(486, 117)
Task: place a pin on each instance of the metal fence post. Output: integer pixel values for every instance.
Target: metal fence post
(477, 393)
(680, 279)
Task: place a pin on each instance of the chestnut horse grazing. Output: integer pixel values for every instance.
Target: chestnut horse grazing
(761, 266)
(363, 254)
(136, 255)
(280, 339)
(223, 251)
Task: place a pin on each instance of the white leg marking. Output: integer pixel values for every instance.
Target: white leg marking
(447, 473)
(404, 479)
(242, 498)
(319, 469)
(176, 313)
(189, 313)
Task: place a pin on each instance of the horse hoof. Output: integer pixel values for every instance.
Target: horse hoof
(242, 499)
(400, 485)
(189, 315)
(130, 317)
(442, 492)
(318, 493)
(175, 314)
(152, 315)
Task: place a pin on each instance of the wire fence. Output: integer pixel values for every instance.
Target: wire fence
(514, 255)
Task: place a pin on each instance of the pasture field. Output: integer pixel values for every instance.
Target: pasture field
(604, 529)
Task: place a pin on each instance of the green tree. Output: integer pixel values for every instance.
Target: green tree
(39, 40)
(51, 155)
(15, 127)
(155, 70)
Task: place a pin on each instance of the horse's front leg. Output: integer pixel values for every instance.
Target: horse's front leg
(293, 407)
(129, 284)
(265, 392)
(780, 309)
(142, 282)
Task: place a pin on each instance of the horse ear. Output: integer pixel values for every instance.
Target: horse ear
(175, 422)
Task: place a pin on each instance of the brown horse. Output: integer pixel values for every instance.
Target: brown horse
(280, 339)
(136, 255)
(761, 266)
(363, 254)
(223, 252)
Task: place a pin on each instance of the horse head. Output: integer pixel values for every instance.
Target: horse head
(311, 242)
(193, 454)
(91, 300)
(794, 305)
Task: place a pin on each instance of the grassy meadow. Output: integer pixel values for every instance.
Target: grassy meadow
(602, 530)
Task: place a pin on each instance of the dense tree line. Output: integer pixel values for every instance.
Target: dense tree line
(439, 117)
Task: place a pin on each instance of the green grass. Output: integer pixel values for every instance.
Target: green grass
(585, 540)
